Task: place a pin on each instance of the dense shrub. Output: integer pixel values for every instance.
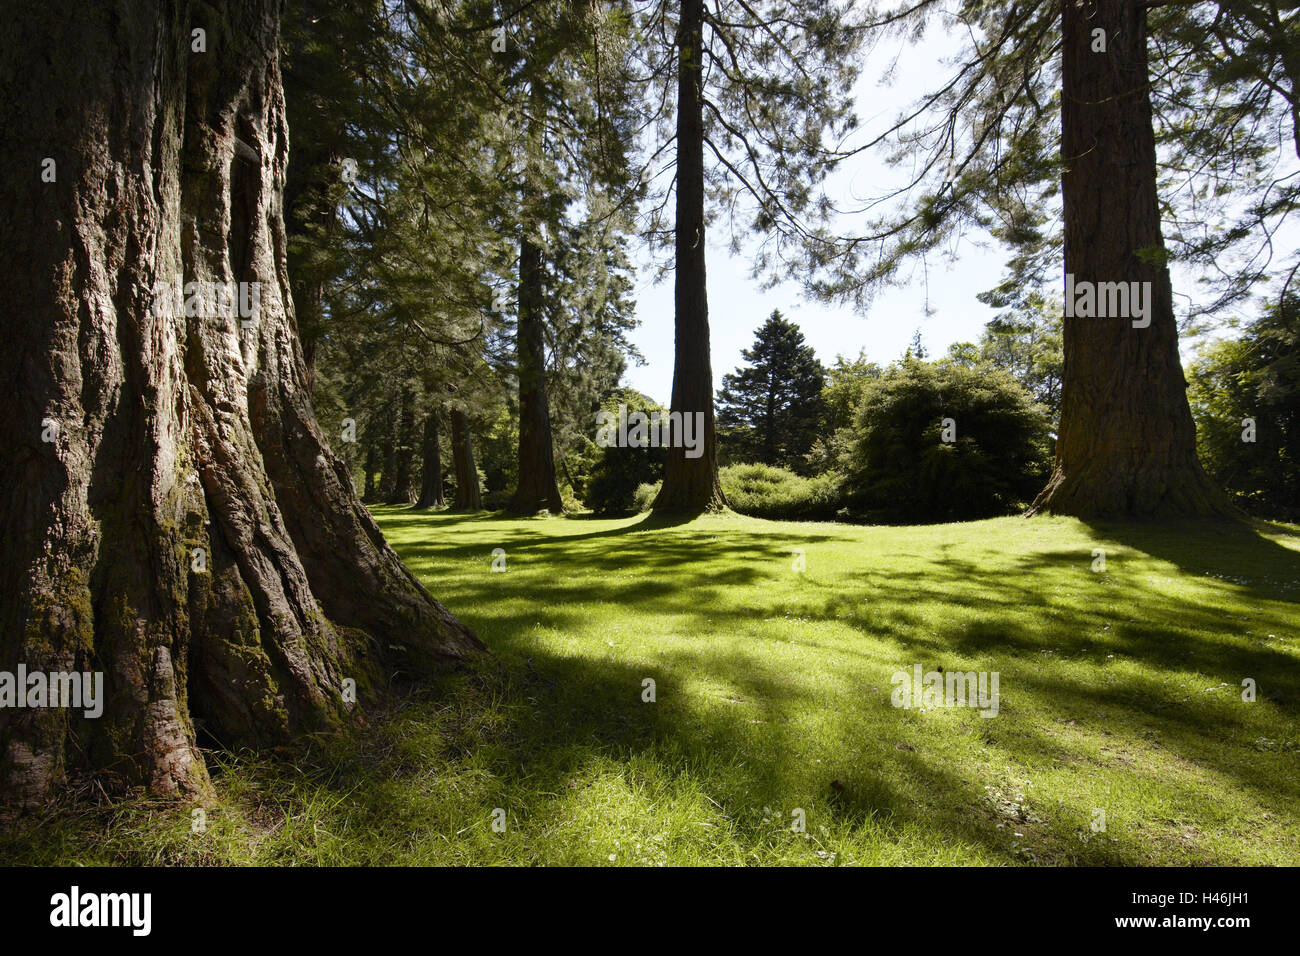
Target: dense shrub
(765, 491)
(644, 498)
(902, 471)
(618, 474)
(495, 500)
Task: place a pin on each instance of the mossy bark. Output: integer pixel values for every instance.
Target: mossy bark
(187, 531)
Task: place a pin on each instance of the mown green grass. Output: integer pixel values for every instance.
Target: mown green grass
(1119, 691)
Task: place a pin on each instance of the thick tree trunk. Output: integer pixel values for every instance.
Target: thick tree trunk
(1127, 443)
(691, 484)
(538, 488)
(431, 487)
(185, 530)
(468, 497)
(403, 491)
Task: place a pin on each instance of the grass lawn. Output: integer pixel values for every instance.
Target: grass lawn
(1120, 691)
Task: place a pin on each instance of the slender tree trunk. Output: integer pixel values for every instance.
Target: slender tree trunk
(371, 466)
(468, 497)
(403, 492)
(388, 468)
(769, 424)
(172, 515)
(691, 484)
(431, 487)
(538, 488)
(1127, 443)
(309, 213)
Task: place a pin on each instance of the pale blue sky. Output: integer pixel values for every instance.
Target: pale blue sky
(737, 304)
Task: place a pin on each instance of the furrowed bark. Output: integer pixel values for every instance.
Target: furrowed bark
(1127, 443)
(186, 529)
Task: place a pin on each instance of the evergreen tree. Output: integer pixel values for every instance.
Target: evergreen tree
(1245, 394)
(772, 411)
(590, 316)
(559, 79)
(391, 192)
(916, 348)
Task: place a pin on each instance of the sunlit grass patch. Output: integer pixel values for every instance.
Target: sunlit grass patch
(772, 737)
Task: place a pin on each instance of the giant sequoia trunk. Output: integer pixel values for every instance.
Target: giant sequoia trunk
(538, 489)
(184, 530)
(1127, 443)
(691, 484)
(468, 497)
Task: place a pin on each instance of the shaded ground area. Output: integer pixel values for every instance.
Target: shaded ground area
(1120, 694)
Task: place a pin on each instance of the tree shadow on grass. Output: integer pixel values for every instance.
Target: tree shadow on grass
(582, 713)
(1103, 621)
(606, 567)
(1226, 550)
(1037, 617)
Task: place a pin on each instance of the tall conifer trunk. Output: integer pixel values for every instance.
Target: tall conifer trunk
(537, 488)
(468, 495)
(1127, 443)
(403, 492)
(691, 484)
(431, 495)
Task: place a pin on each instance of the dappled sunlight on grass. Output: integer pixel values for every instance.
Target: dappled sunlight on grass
(1121, 690)
(771, 647)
